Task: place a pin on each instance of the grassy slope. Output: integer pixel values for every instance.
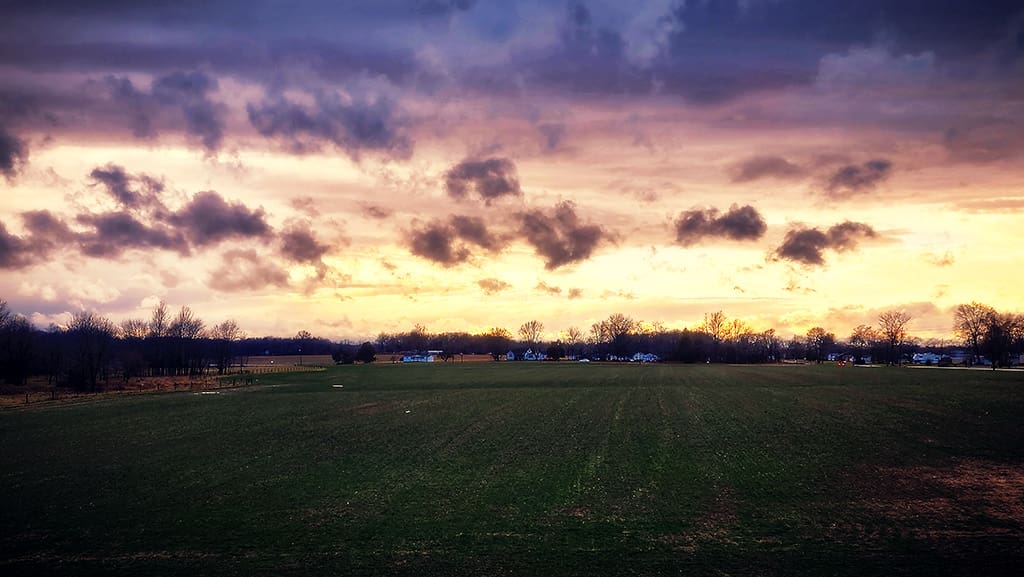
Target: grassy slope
(525, 469)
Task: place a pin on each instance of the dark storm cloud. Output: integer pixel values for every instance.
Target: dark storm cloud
(758, 167)
(299, 244)
(807, 245)
(243, 270)
(490, 178)
(115, 232)
(184, 93)
(209, 219)
(713, 50)
(853, 179)
(13, 154)
(559, 236)
(15, 253)
(354, 126)
(739, 223)
(448, 243)
(472, 229)
(130, 191)
(436, 241)
(47, 232)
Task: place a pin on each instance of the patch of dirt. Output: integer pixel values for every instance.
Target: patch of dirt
(715, 525)
(968, 499)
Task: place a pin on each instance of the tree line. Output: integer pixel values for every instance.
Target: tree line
(91, 348)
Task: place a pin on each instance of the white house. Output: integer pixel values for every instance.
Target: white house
(529, 355)
(925, 358)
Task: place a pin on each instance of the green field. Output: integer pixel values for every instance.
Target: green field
(526, 469)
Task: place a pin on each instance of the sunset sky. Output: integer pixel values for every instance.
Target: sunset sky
(354, 167)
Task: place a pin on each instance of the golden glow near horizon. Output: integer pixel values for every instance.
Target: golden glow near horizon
(353, 166)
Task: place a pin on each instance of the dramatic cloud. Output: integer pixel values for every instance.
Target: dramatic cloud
(490, 178)
(758, 167)
(209, 219)
(740, 223)
(299, 244)
(246, 270)
(575, 293)
(143, 222)
(472, 229)
(448, 243)
(185, 94)
(492, 286)
(131, 192)
(559, 237)
(115, 232)
(14, 251)
(13, 154)
(46, 231)
(353, 125)
(807, 245)
(852, 179)
(436, 242)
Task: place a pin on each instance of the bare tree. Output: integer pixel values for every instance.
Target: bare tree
(573, 339)
(1003, 331)
(861, 339)
(91, 339)
(970, 323)
(15, 346)
(531, 332)
(818, 340)
(186, 330)
(715, 325)
(225, 335)
(497, 340)
(893, 325)
(158, 323)
(134, 329)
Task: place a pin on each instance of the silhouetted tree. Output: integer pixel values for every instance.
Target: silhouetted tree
(861, 340)
(366, 353)
(90, 337)
(818, 342)
(225, 336)
(530, 332)
(1002, 332)
(556, 351)
(496, 341)
(971, 323)
(16, 346)
(893, 326)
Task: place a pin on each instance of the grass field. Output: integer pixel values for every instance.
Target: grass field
(526, 469)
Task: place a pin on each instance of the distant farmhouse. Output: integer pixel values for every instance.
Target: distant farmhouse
(529, 355)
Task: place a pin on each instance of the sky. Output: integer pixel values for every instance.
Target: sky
(361, 166)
